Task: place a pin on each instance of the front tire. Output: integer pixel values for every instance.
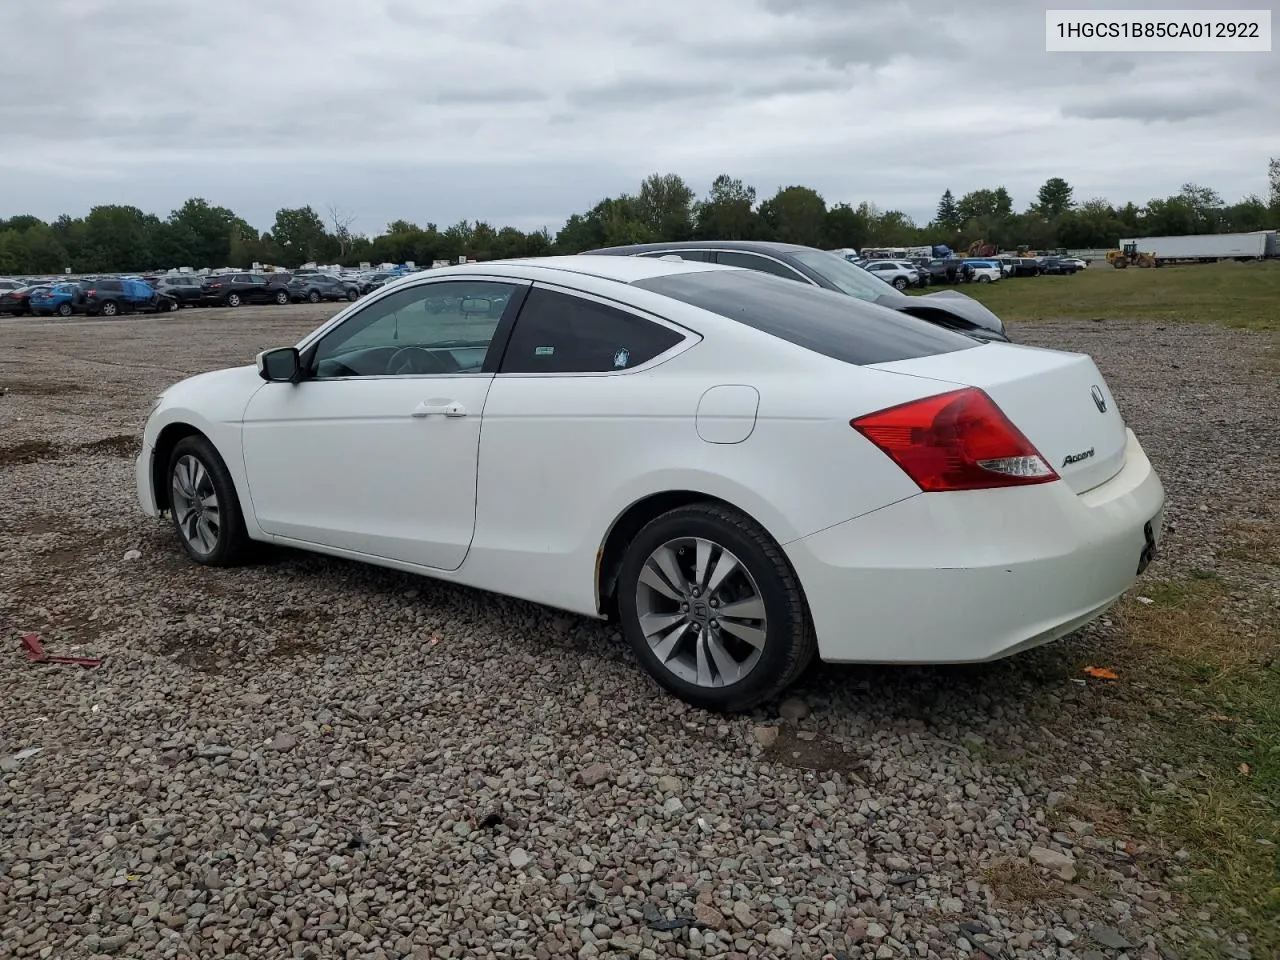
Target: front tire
(313, 297)
(713, 610)
(204, 506)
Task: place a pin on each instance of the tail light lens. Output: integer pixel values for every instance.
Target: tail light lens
(956, 441)
(91, 292)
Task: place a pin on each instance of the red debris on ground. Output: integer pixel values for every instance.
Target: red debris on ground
(36, 654)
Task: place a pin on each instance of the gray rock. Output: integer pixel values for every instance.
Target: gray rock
(593, 774)
(1109, 937)
(519, 858)
(765, 736)
(283, 742)
(793, 709)
(1061, 864)
(780, 937)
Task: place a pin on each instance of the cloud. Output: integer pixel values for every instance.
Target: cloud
(525, 113)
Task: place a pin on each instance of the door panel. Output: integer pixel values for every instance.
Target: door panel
(375, 451)
(354, 464)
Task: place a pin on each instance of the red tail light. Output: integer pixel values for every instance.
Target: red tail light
(956, 441)
(91, 292)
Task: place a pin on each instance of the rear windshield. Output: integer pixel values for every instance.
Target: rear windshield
(826, 322)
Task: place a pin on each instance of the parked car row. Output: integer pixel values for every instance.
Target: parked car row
(107, 297)
(112, 296)
(924, 271)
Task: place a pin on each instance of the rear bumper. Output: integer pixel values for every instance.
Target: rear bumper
(977, 575)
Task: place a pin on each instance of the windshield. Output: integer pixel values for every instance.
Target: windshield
(842, 274)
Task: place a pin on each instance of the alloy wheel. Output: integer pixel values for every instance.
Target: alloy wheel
(195, 505)
(701, 612)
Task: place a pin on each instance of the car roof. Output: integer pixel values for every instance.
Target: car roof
(621, 269)
(747, 246)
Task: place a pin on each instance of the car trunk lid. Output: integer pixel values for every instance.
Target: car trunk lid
(1059, 400)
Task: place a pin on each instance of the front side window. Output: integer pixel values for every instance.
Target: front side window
(560, 333)
(433, 328)
(844, 276)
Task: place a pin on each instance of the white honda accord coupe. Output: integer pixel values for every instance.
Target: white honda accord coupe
(742, 470)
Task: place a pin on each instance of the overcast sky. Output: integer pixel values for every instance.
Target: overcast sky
(523, 113)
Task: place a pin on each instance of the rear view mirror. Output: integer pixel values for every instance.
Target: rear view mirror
(282, 365)
(475, 305)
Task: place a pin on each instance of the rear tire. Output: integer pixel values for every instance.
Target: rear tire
(984, 279)
(64, 309)
(109, 309)
(282, 297)
(233, 300)
(770, 638)
(901, 283)
(203, 505)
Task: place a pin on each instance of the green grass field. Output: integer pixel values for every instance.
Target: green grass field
(1245, 295)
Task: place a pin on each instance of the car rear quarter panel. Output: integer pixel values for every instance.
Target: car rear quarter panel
(562, 458)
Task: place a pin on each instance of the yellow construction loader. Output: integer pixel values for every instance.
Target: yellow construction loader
(1122, 258)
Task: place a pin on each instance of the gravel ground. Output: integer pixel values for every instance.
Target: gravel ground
(311, 758)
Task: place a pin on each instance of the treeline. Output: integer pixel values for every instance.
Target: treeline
(198, 234)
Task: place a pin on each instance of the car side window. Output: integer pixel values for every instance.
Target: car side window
(752, 261)
(560, 333)
(432, 328)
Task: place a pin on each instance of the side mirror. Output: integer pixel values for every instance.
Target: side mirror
(282, 365)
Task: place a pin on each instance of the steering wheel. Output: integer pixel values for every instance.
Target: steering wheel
(415, 360)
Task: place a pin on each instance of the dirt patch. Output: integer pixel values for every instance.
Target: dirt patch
(295, 638)
(191, 653)
(805, 750)
(29, 451)
(31, 388)
(38, 451)
(117, 446)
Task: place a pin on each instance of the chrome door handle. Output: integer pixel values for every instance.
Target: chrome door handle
(451, 408)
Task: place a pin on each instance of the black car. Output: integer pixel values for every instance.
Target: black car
(18, 301)
(372, 281)
(184, 288)
(947, 308)
(1025, 267)
(1057, 266)
(314, 287)
(947, 270)
(234, 289)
